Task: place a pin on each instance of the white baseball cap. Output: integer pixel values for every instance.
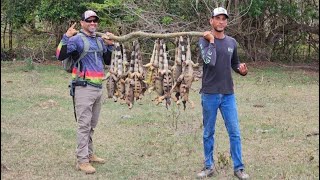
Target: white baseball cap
(219, 11)
(87, 14)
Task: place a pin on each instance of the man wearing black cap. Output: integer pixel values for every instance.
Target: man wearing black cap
(91, 53)
(219, 55)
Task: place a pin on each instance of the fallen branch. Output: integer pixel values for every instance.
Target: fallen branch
(313, 134)
(151, 35)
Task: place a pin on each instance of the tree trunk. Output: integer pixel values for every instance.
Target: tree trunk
(4, 34)
(10, 36)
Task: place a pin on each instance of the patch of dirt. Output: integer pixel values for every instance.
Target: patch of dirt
(4, 168)
(48, 104)
(51, 62)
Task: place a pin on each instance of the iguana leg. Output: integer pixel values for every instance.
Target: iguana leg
(150, 89)
(179, 102)
(192, 104)
(157, 100)
(115, 99)
(122, 101)
(161, 98)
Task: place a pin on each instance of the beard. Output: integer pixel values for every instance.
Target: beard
(92, 29)
(218, 30)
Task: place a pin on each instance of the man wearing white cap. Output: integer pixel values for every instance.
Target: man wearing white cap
(91, 54)
(219, 55)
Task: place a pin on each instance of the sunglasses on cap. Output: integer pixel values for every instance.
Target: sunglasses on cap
(92, 20)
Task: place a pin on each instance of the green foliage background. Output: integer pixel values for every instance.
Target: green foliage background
(286, 31)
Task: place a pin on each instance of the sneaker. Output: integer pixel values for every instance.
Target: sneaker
(205, 172)
(85, 167)
(96, 159)
(240, 174)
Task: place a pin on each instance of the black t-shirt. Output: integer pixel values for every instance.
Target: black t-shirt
(218, 59)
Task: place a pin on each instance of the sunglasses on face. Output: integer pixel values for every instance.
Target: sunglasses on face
(91, 20)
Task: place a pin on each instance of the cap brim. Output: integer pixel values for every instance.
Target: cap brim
(221, 14)
(94, 16)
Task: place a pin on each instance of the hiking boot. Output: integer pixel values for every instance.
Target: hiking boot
(85, 167)
(240, 174)
(96, 159)
(205, 172)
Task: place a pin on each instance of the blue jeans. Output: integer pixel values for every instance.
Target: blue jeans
(226, 103)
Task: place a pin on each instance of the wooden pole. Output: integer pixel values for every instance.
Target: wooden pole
(151, 35)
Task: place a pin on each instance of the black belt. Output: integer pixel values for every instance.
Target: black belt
(95, 85)
(85, 83)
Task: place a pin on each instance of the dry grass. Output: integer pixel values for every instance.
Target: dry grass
(278, 109)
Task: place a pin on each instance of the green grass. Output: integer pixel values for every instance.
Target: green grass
(277, 110)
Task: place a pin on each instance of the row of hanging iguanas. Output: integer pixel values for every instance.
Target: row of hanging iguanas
(126, 83)
(129, 81)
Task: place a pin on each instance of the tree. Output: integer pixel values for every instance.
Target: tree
(15, 14)
(277, 29)
(266, 30)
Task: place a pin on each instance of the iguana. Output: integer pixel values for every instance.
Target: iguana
(137, 76)
(151, 69)
(167, 80)
(111, 79)
(185, 80)
(158, 83)
(120, 83)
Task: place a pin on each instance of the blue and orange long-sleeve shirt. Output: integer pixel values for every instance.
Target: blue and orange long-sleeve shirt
(91, 68)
